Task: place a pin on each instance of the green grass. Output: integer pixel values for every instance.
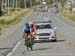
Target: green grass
(13, 18)
(70, 16)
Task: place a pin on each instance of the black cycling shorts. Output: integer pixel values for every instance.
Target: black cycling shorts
(27, 32)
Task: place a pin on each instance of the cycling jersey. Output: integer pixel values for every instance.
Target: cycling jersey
(26, 28)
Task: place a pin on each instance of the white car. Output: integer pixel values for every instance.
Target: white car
(44, 31)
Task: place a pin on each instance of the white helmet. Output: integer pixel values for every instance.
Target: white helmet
(30, 22)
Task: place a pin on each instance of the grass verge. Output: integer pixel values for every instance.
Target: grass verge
(13, 18)
(70, 16)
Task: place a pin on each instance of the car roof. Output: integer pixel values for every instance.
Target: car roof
(41, 23)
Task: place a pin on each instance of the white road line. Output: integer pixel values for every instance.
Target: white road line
(10, 53)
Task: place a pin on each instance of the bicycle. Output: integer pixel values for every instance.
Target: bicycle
(29, 42)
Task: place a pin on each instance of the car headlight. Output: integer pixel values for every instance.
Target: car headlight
(52, 33)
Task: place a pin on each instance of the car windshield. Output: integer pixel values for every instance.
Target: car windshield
(47, 26)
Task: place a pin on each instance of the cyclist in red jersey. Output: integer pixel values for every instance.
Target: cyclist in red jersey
(33, 30)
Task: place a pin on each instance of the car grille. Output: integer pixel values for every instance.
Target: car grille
(43, 37)
(44, 34)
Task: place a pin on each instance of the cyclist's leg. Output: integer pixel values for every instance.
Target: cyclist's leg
(25, 38)
(30, 39)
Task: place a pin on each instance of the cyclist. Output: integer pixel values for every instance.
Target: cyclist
(26, 31)
(32, 28)
(33, 31)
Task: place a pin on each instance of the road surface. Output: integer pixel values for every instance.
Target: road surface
(13, 45)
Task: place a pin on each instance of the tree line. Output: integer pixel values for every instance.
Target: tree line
(7, 5)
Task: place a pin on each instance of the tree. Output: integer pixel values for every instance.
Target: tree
(30, 3)
(0, 3)
(8, 6)
(0, 13)
(25, 3)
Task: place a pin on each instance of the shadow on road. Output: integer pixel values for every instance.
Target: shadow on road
(41, 49)
(60, 40)
(49, 41)
(4, 48)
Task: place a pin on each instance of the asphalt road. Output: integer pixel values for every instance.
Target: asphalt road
(13, 45)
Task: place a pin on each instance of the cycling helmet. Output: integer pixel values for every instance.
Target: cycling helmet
(30, 23)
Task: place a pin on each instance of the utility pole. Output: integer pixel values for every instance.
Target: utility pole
(40, 2)
(2, 5)
(72, 4)
(13, 4)
(25, 3)
(30, 3)
(16, 5)
(19, 3)
(8, 7)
